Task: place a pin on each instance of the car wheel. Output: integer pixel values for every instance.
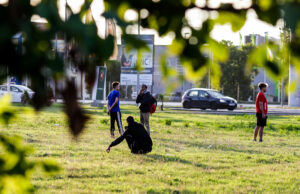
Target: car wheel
(186, 105)
(213, 106)
(231, 109)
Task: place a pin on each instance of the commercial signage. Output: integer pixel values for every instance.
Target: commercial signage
(129, 74)
(99, 87)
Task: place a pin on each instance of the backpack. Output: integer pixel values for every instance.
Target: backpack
(152, 109)
(153, 106)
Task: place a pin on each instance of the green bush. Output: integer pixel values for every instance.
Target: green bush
(50, 96)
(271, 127)
(25, 99)
(199, 124)
(168, 122)
(251, 124)
(294, 128)
(186, 124)
(104, 121)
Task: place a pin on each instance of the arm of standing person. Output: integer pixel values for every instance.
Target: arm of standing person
(107, 106)
(261, 107)
(140, 96)
(114, 104)
(138, 99)
(117, 141)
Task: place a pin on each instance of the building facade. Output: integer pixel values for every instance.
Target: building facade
(273, 94)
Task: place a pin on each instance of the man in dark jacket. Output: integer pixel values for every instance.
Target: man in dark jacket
(138, 140)
(146, 100)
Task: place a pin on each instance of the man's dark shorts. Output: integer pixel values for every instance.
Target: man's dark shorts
(260, 121)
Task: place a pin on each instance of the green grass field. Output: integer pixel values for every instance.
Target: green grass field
(192, 154)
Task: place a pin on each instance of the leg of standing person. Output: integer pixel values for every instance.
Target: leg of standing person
(112, 123)
(146, 117)
(261, 132)
(256, 132)
(142, 120)
(119, 122)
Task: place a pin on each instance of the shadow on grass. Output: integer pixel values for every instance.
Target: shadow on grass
(214, 147)
(164, 158)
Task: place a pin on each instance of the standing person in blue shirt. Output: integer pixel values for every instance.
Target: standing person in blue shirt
(113, 109)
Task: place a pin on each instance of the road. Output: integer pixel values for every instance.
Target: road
(272, 111)
(242, 109)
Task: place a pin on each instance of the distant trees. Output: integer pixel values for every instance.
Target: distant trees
(236, 77)
(236, 80)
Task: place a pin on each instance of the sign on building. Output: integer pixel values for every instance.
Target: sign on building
(129, 74)
(99, 88)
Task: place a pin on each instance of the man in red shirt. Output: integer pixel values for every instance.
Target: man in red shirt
(261, 111)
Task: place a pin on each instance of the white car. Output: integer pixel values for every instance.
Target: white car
(134, 95)
(16, 91)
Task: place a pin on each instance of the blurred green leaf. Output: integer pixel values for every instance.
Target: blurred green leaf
(220, 51)
(291, 14)
(265, 4)
(50, 167)
(15, 168)
(268, 11)
(237, 21)
(262, 56)
(6, 112)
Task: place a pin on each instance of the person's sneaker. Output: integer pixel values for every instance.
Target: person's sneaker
(261, 141)
(112, 135)
(254, 140)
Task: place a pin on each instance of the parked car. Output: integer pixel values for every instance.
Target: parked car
(16, 92)
(207, 99)
(134, 95)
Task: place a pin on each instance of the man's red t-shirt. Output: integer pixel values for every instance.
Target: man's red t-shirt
(261, 98)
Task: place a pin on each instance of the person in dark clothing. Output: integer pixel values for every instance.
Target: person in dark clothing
(146, 100)
(138, 140)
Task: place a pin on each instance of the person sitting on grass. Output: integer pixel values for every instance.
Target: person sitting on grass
(138, 140)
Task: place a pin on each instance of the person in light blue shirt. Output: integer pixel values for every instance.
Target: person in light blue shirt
(113, 109)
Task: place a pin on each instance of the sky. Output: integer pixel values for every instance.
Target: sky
(195, 19)
(252, 25)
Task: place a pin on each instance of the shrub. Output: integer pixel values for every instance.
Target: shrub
(271, 127)
(104, 121)
(186, 124)
(251, 124)
(199, 124)
(25, 99)
(50, 96)
(168, 122)
(290, 127)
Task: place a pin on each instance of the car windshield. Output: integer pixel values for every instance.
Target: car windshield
(216, 94)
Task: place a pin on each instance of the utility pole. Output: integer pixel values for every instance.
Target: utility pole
(138, 73)
(238, 92)
(266, 42)
(8, 81)
(66, 45)
(209, 79)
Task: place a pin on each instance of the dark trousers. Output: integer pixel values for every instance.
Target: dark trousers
(116, 117)
(135, 147)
